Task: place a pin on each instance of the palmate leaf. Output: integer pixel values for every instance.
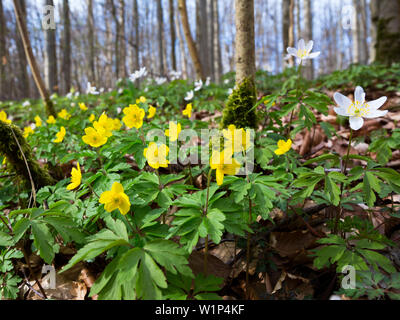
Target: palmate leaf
(370, 184)
(212, 226)
(101, 242)
(136, 274)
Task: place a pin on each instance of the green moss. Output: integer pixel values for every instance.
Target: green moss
(240, 102)
(388, 44)
(50, 110)
(10, 149)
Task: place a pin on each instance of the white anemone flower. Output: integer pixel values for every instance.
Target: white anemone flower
(208, 80)
(160, 80)
(90, 89)
(175, 75)
(198, 85)
(26, 104)
(142, 72)
(359, 109)
(189, 95)
(303, 51)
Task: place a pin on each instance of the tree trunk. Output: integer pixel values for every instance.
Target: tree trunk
(50, 56)
(3, 55)
(291, 29)
(160, 19)
(31, 59)
(23, 78)
(173, 35)
(217, 44)
(67, 48)
(181, 47)
(136, 28)
(386, 21)
(356, 33)
(210, 38)
(308, 34)
(202, 35)
(239, 109)
(92, 73)
(191, 44)
(122, 50)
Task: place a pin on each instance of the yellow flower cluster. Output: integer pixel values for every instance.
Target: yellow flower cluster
(28, 131)
(98, 135)
(64, 114)
(156, 156)
(237, 140)
(133, 116)
(60, 135)
(188, 111)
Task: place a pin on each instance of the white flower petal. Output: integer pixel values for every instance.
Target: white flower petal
(309, 46)
(314, 55)
(301, 45)
(376, 104)
(356, 123)
(342, 100)
(292, 51)
(376, 114)
(341, 112)
(359, 95)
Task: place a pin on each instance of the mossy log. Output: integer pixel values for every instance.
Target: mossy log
(239, 108)
(12, 151)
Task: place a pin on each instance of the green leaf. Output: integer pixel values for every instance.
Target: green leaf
(5, 239)
(98, 243)
(370, 183)
(44, 241)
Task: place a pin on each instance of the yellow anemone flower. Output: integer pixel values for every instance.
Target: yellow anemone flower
(38, 121)
(27, 131)
(238, 139)
(51, 120)
(283, 147)
(188, 111)
(152, 112)
(82, 106)
(115, 199)
(64, 114)
(92, 117)
(223, 163)
(156, 156)
(105, 123)
(3, 117)
(141, 99)
(94, 138)
(76, 178)
(133, 116)
(173, 131)
(116, 124)
(60, 135)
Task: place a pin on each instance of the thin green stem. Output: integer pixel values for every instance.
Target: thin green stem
(205, 211)
(344, 171)
(297, 96)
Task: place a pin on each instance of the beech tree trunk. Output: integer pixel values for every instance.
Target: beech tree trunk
(172, 31)
(386, 30)
(244, 40)
(160, 19)
(122, 50)
(308, 34)
(189, 39)
(31, 59)
(50, 56)
(217, 43)
(3, 55)
(181, 47)
(66, 68)
(92, 74)
(22, 61)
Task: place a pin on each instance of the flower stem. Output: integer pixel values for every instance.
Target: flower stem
(205, 211)
(297, 96)
(340, 209)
